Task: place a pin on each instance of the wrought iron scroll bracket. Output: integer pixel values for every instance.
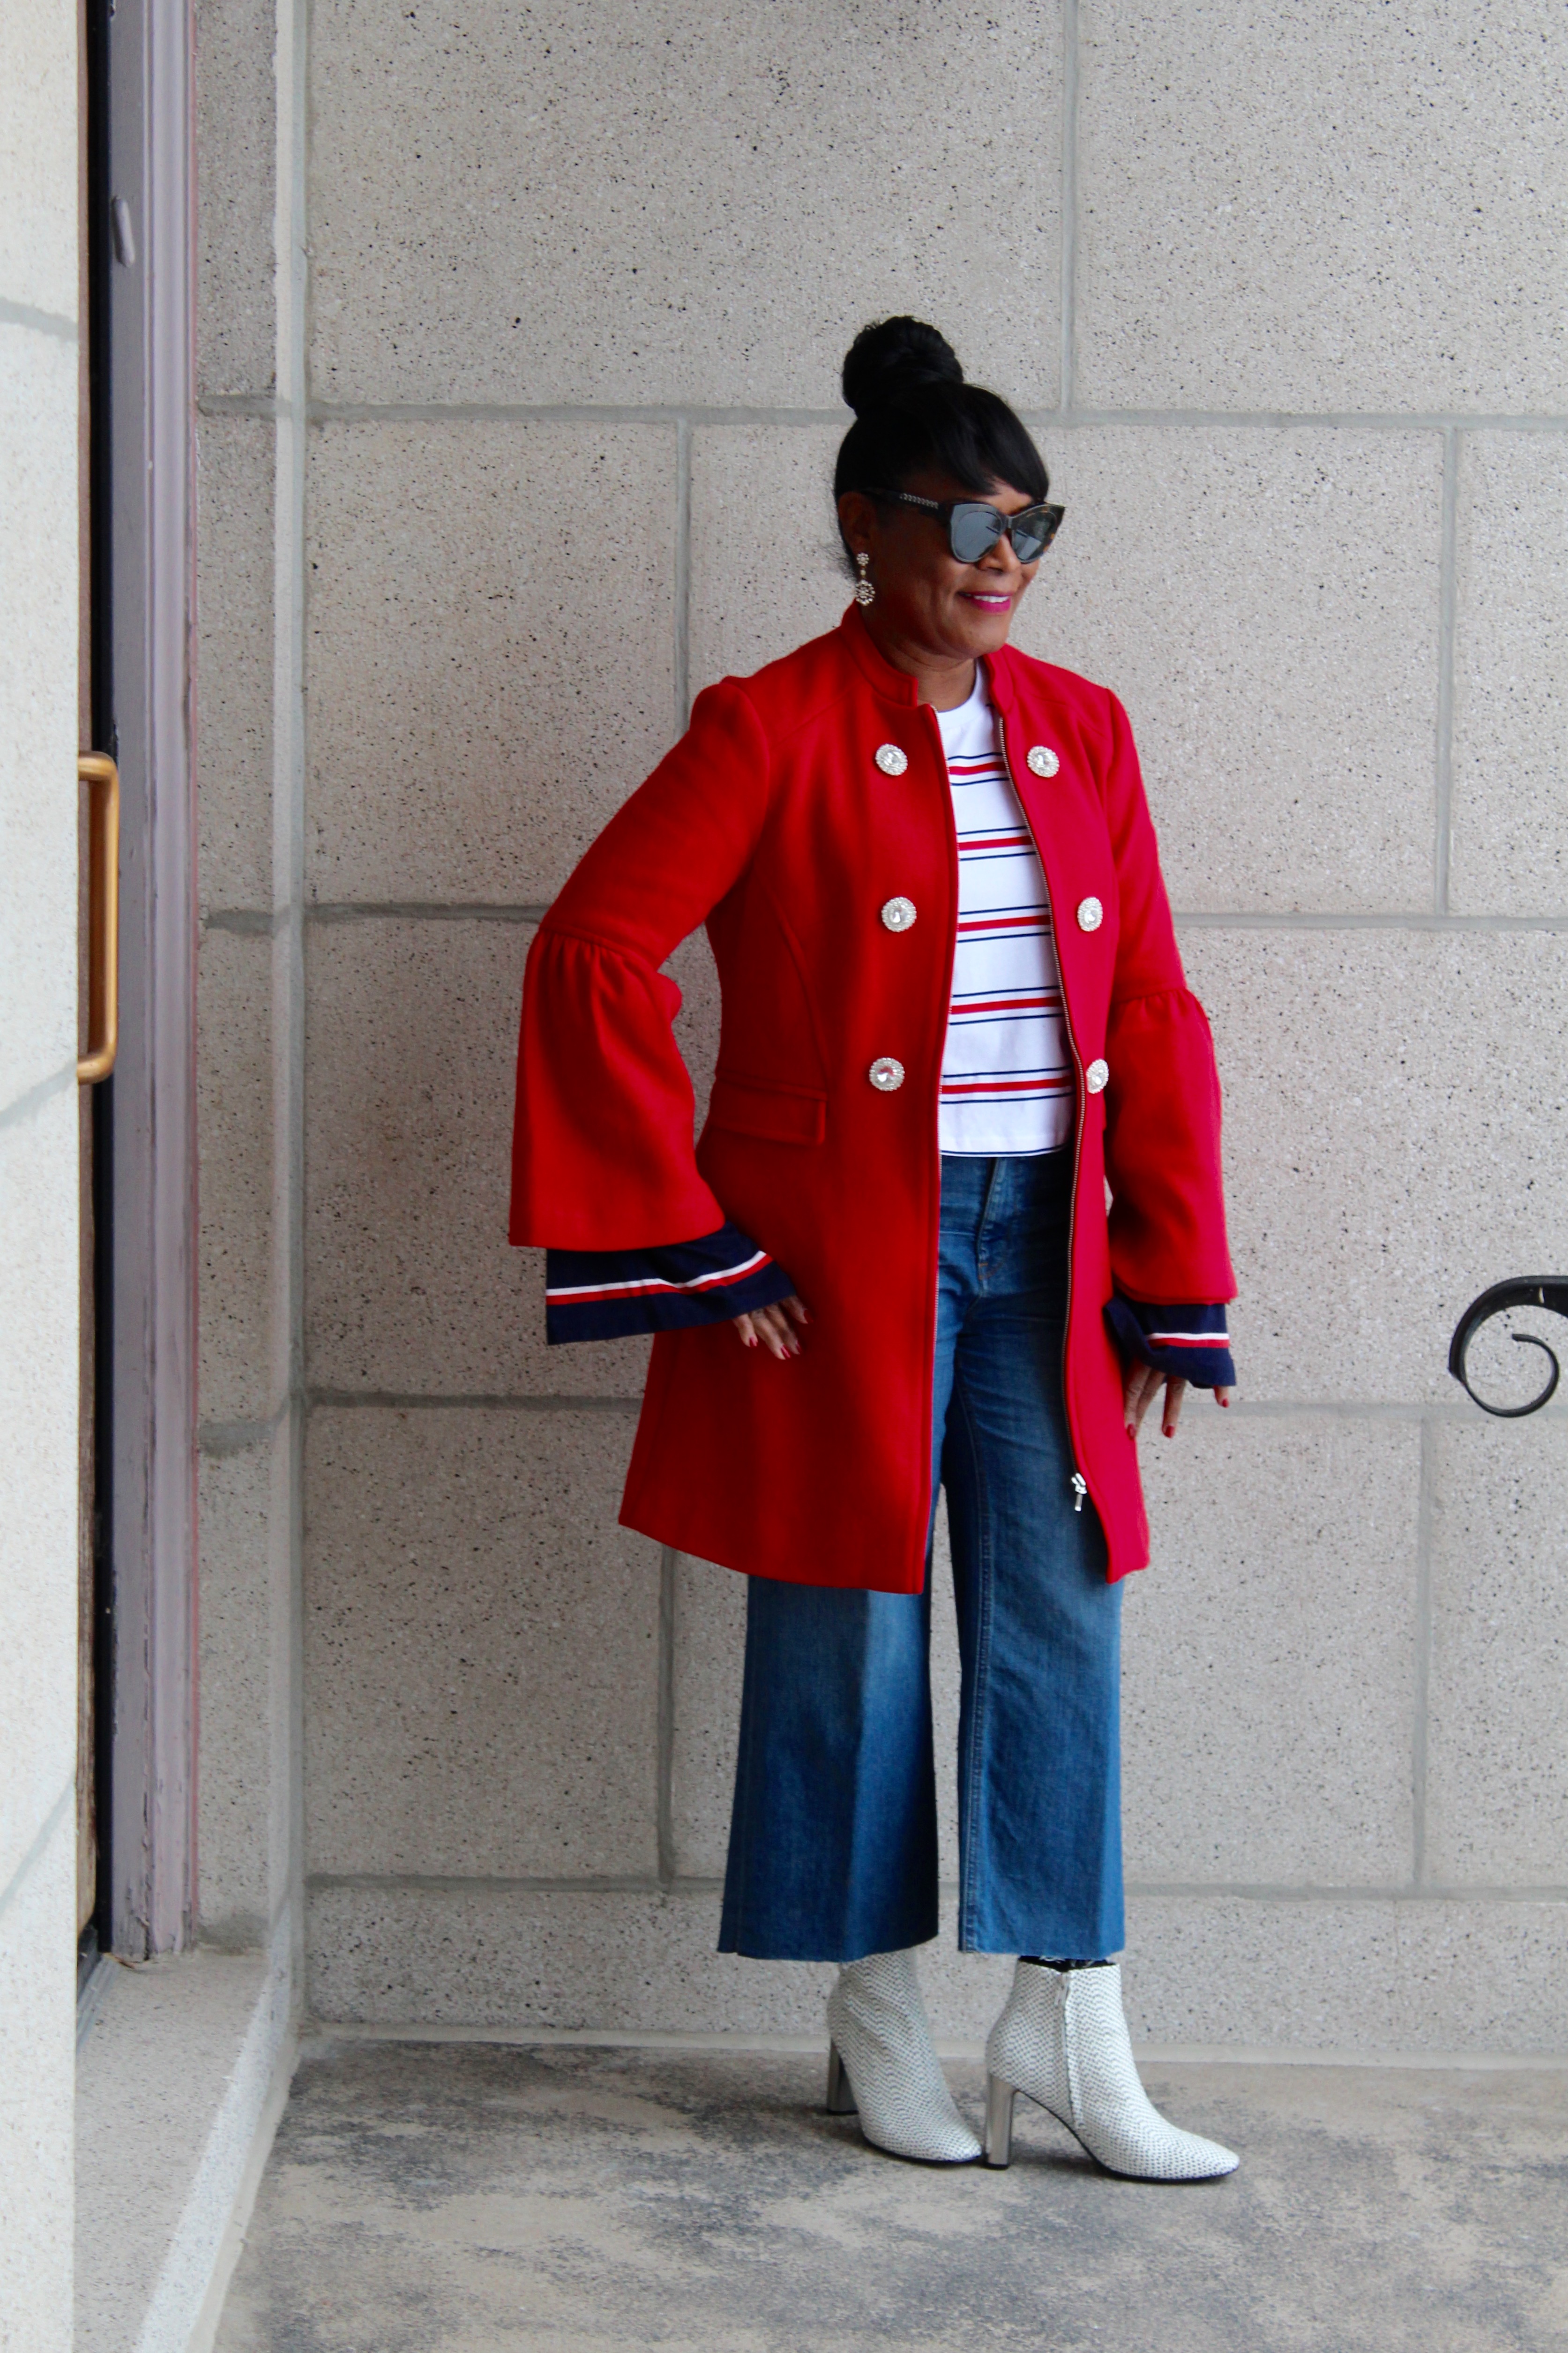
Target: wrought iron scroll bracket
(1548, 1290)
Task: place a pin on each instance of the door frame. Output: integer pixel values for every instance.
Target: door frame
(145, 1144)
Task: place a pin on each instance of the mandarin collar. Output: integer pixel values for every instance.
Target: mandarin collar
(897, 685)
(998, 669)
(893, 685)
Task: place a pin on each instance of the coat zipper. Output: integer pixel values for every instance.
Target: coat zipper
(942, 1048)
(1078, 1484)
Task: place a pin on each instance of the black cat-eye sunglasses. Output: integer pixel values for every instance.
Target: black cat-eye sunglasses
(973, 527)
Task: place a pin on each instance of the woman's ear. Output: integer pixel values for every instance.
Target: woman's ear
(858, 521)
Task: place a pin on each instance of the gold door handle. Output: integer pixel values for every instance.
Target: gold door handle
(98, 770)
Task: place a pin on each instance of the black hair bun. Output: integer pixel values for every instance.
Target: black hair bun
(893, 357)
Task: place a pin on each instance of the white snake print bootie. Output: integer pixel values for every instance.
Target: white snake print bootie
(881, 2061)
(1062, 2040)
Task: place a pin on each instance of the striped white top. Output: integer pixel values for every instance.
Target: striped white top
(1007, 1071)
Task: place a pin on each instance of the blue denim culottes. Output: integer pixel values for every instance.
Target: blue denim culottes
(833, 1838)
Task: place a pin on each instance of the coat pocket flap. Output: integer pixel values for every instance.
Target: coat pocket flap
(782, 1115)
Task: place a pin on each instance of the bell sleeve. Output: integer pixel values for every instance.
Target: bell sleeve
(1186, 1342)
(604, 1295)
(604, 1160)
(1167, 1222)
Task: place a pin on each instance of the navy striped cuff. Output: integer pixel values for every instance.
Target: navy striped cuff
(603, 1294)
(1191, 1343)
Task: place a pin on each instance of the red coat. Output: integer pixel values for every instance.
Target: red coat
(772, 820)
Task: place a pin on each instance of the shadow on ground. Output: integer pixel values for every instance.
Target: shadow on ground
(438, 2197)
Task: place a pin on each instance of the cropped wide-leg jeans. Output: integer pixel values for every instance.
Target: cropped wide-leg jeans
(833, 1838)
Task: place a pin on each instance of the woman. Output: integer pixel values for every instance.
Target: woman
(952, 1012)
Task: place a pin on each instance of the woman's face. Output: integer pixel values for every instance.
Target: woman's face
(927, 602)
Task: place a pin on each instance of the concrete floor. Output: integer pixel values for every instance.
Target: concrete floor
(455, 2197)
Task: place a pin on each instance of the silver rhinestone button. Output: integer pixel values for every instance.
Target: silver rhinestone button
(899, 915)
(892, 759)
(885, 1074)
(1096, 1075)
(1043, 760)
(1090, 915)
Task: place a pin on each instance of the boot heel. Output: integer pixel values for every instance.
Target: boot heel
(840, 2098)
(999, 2099)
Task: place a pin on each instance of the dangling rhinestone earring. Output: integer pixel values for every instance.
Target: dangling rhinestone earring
(864, 592)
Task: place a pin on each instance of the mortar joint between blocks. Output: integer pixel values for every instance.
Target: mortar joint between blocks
(1447, 606)
(682, 652)
(1422, 1675)
(1068, 387)
(664, 1763)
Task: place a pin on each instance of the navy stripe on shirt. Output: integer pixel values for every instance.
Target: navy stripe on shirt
(604, 1295)
(1191, 1342)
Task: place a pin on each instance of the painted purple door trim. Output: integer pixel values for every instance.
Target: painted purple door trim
(150, 1356)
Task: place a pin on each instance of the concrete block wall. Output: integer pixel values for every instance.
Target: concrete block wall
(541, 442)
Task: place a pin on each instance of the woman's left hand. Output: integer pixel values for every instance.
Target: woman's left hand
(1139, 1386)
(774, 1327)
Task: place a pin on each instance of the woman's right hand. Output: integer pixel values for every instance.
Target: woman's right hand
(773, 1328)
